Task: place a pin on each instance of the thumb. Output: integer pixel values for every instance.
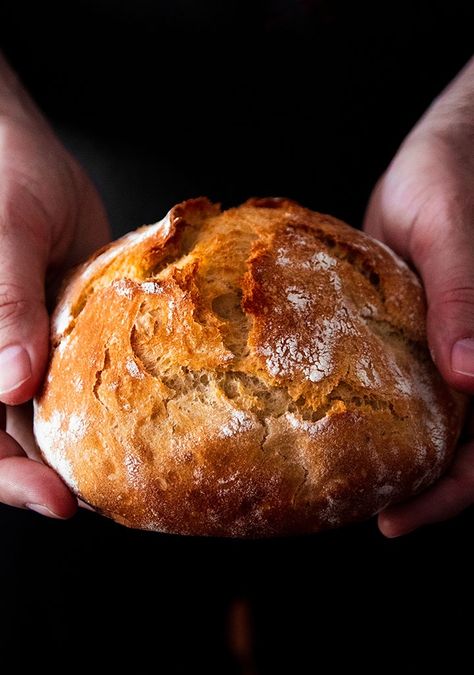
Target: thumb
(24, 324)
(442, 249)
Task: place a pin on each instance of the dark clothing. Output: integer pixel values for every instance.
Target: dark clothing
(167, 100)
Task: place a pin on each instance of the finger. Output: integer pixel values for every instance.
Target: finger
(430, 223)
(85, 506)
(25, 483)
(20, 427)
(24, 323)
(87, 239)
(443, 251)
(90, 210)
(373, 223)
(447, 498)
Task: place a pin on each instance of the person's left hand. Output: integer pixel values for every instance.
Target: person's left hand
(423, 207)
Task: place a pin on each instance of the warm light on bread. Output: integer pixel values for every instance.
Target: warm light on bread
(252, 372)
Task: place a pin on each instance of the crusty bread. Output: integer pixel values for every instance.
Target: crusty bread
(253, 372)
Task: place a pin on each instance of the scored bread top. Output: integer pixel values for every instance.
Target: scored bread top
(257, 371)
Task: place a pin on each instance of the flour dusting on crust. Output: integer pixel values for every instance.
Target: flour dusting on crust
(54, 436)
(367, 374)
(311, 428)
(123, 287)
(314, 357)
(151, 287)
(298, 298)
(133, 369)
(238, 423)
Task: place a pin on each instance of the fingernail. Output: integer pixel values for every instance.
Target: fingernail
(43, 510)
(387, 529)
(390, 529)
(15, 368)
(391, 534)
(462, 357)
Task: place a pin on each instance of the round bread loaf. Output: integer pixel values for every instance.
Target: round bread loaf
(253, 372)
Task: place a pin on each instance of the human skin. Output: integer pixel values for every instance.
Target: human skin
(423, 207)
(51, 218)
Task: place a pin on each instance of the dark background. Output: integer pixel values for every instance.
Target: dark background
(166, 100)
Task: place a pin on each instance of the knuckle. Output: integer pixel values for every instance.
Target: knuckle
(13, 305)
(443, 224)
(457, 294)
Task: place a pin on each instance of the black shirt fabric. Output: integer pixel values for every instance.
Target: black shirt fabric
(167, 100)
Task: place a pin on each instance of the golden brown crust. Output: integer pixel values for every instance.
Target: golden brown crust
(252, 372)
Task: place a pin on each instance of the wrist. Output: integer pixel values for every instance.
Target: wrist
(15, 103)
(450, 118)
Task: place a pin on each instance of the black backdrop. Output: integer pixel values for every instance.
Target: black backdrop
(166, 100)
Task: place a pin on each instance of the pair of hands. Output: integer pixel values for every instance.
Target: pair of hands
(51, 218)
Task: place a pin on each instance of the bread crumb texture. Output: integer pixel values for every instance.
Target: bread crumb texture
(254, 372)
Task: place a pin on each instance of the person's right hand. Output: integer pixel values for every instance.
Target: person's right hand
(50, 219)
